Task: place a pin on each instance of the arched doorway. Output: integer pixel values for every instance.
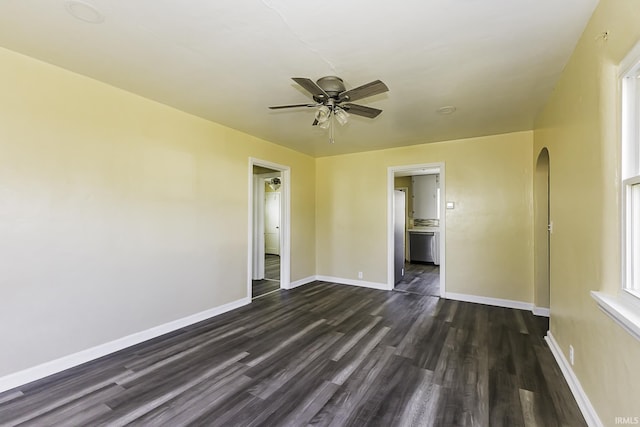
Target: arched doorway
(541, 234)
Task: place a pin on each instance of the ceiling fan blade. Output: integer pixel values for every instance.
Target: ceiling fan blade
(370, 89)
(278, 107)
(311, 87)
(361, 110)
(315, 123)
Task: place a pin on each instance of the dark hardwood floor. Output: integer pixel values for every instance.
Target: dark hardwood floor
(272, 267)
(422, 279)
(271, 281)
(262, 287)
(321, 354)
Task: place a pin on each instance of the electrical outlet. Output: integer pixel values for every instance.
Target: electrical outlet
(571, 354)
(359, 274)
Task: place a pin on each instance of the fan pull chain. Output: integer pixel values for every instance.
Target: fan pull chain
(331, 120)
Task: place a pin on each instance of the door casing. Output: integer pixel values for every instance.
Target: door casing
(255, 217)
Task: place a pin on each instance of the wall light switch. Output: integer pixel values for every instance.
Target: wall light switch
(451, 205)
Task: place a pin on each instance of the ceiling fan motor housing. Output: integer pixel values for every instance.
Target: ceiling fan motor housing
(332, 85)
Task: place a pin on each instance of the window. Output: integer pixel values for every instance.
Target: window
(630, 132)
(624, 308)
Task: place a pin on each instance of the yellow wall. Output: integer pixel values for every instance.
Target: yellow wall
(489, 237)
(579, 127)
(118, 214)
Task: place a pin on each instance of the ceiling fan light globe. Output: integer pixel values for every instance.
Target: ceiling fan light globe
(342, 116)
(322, 115)
(324, 124)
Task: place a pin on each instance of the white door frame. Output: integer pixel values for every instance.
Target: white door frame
(255, 217)
(391, 171)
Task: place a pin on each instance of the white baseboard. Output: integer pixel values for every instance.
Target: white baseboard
(588, 412)
(48, 368)
(541, 311)
(361, 283)
(301, 282)
(498, 302)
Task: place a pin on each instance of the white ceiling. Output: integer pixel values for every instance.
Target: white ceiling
(496, 61)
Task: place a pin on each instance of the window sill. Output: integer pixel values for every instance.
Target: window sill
(625, 313)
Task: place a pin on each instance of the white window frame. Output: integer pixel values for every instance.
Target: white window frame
(630, 272)
(624, 307)
(630, 165)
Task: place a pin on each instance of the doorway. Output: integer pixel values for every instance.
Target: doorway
(268, 228)
(542, 227)
(416, 229)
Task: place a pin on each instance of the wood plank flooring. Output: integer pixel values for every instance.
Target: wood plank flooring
(422, 279)
(271, 280)
(261, 287)
(322, 354)
(272, 267)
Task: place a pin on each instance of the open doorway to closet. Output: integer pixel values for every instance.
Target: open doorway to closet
(269, 225)
(417, 229)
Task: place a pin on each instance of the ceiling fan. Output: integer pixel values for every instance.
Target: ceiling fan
(333, 100)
